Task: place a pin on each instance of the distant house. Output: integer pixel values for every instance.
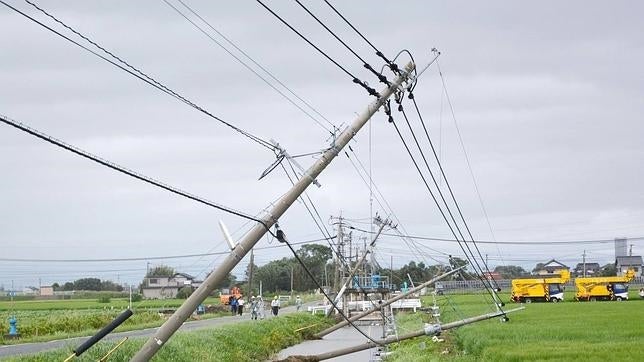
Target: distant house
(549, 267)
(47, 291)
(592, 269)
(168, 287)
(492, 276)
(29, 291)
(623, 263)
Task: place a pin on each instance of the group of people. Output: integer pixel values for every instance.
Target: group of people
(257, 306)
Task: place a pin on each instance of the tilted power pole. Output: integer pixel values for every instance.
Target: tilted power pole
(357, 266)
(163, 334)
(385, 303)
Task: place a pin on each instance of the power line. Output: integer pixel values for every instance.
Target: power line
(317, 284)
(526, 242)
(128, 68)
(249, 68)
(440, 192)
(388, 206)
(149, 257)
(380, 76)
(123, 170)
(475, 264)
(392, 65)
(364, 85)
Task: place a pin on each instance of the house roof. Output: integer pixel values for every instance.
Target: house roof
(185, 275)
(588, 266)
(553, 263)
(629, 260)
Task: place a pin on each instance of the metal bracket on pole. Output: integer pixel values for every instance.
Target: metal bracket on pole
(285, 154)
(229, 239)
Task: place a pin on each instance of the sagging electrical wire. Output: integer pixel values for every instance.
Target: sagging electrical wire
(440, 192)
(282, 238)
(340, 257)
(477, 272)
(23, 260)
(113, 166)
(447, 183)
(128, 68)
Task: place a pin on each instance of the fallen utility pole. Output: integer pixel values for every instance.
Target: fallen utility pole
(357, 266)
(163, 334)
(385, 303)
(429, 330)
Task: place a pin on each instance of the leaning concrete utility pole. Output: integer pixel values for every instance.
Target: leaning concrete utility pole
(429, 330)
(384, 304)
(249, 240)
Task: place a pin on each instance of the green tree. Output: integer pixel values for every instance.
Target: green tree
(184, 292)
(109, 285)
(314, 257)
(510, 271)
(276, 275)
(608, 270)
(87, 284)
(161, 271)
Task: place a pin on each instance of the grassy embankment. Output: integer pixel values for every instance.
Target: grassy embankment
(568, 331)
(239, 342)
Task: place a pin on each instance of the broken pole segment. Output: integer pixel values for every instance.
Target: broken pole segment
(429, 330)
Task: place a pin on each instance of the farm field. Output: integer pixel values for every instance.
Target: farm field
(568, 331)
(74, 304)
(43, 320)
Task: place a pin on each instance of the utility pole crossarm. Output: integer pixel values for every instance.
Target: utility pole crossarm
(163, 334)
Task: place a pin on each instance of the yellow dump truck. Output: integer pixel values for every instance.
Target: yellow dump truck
(603, 288)
(540, 289)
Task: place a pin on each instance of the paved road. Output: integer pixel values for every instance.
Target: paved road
(28, 348)
(343, 337)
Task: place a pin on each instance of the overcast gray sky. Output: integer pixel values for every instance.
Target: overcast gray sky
(548, 97)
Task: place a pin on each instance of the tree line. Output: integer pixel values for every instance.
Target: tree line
(94, 284)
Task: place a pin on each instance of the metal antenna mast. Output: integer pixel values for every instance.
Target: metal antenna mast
(163, 334)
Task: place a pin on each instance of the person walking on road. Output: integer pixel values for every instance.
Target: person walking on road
(275, 305)
(240, 306)
(298, 303)
(254, 308)
(260, 307)
(233, 305)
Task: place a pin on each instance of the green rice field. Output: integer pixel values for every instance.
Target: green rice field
(567, 331)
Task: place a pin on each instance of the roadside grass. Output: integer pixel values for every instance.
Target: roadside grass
(568, 331)
(243, 341)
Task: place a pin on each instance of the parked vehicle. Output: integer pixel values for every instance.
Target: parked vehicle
(603, 288)
(540, 289)
(225, 298)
